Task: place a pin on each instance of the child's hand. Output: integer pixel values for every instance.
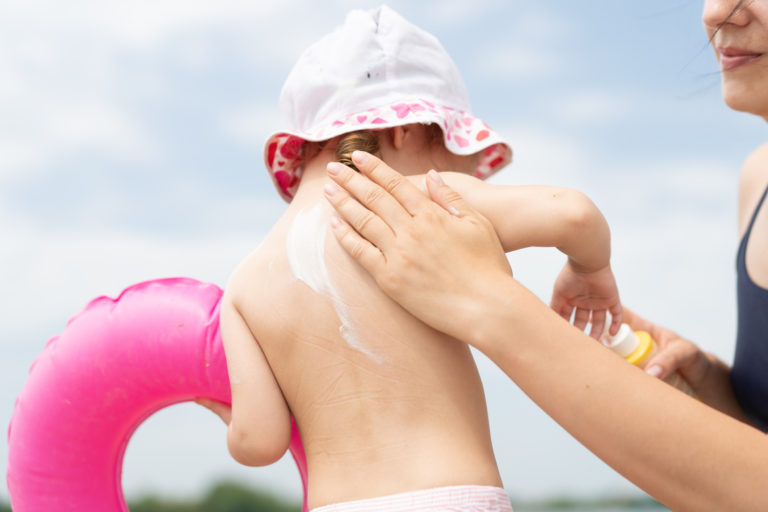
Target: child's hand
(591, 294)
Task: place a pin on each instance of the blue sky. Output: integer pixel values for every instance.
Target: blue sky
(131, 148)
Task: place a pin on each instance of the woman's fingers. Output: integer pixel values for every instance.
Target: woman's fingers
(445, 196)
(406, 193)
(365, 222)
(678, 355)
(369, 194)
(369, 257)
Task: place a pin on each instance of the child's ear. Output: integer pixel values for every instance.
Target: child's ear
(397, 135)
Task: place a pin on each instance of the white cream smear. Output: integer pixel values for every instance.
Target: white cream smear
(305, 247)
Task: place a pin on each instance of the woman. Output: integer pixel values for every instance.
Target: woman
(739, 36)
(686, 454)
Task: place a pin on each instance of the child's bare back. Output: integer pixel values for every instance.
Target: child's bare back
(384, 404)
(378, 413)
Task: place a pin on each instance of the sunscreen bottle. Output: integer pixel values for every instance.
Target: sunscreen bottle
(637, 347)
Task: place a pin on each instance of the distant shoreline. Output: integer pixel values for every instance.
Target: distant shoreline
(225, 495)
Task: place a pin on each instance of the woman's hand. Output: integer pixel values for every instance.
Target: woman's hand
(709, 377)
(675, 354)
(591, 294)
(435, 258)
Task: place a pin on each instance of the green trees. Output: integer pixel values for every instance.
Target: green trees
(223, 497)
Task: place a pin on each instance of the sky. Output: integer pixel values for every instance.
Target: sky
(131, 141)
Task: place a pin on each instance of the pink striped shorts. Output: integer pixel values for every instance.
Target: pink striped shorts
(460, 498)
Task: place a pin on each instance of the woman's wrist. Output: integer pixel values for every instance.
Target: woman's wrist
(504, 309)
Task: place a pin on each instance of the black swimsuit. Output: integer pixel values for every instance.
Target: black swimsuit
(750, 367)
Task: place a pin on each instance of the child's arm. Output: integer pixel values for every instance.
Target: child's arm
(260, 429)
(540, 216)
(544, 216)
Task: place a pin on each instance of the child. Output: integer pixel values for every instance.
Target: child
(387, 424)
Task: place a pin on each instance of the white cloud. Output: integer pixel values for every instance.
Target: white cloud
(452, 13)
(39, 134)
(141, 24)
(67, 82)
(518, 63)
(532, 53)
(69, 268)
(593, 106)
(252, 124)
(541, 157)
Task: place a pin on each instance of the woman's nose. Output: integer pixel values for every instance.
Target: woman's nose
(718, 12)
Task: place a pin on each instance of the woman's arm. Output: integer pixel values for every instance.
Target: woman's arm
(686, 454)
(260, 428)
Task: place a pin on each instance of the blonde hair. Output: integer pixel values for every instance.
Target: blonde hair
(363, 141)
(368, 141)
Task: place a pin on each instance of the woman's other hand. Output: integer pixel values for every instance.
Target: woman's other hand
(675, 354)
(704, 372)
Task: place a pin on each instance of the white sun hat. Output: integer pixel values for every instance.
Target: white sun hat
(376, 71)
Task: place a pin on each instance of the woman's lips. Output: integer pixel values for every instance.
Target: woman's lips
(731, 58)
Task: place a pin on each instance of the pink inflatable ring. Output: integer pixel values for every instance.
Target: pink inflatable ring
(116, 363)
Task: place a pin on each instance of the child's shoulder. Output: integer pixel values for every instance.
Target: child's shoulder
(251, 270)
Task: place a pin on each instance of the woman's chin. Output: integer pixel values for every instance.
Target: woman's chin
(744, 101)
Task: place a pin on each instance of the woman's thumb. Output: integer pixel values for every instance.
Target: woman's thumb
(445, 196)
(673, 357)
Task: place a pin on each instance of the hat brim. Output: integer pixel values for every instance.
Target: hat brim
(463, 134)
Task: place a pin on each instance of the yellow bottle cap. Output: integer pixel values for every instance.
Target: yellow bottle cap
(645, 348)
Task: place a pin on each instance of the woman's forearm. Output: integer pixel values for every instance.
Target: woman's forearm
(684, 453)
(681, 451)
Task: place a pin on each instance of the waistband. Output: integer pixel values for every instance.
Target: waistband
(460, 498)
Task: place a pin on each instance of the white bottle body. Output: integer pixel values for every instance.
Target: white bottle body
(638, 348)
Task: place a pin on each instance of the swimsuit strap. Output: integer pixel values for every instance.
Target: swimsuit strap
(754, 213)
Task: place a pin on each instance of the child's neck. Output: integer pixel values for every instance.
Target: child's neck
(314, 176)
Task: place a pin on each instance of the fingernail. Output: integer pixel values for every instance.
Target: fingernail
(330, 189)
(359, 157)
(654, 371)
(435, 177)
(335, 221)
(453, 211)
(334, 168)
